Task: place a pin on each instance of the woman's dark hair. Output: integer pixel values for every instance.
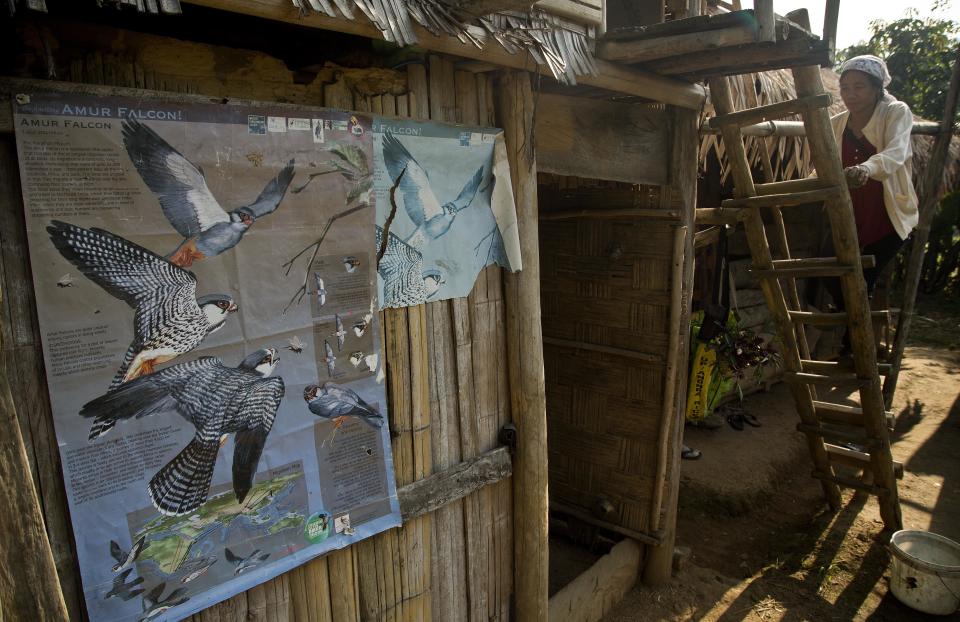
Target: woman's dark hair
(877, 84)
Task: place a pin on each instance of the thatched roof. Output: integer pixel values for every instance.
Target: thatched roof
(790, 155)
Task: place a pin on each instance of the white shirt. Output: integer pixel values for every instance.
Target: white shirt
(889, 131)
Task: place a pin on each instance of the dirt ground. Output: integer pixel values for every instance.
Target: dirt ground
(766, 548)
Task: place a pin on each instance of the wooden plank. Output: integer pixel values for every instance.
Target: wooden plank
(456, 482)
(699, 23)
(744, 59)
(582, 11)
(773, 111)
(525, 356)
(784, 199)
(479, 8)
(857, 459)
(597, 590)
(625, 212)
(601, 140)
(646, 50)
(609, 76)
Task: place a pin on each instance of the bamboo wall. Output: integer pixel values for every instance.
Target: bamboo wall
(606, 299)
(447, 381)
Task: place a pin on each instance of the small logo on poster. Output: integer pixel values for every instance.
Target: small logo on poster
(276, 124)
(464, 139)
(256, 124)
(341, 524)
(295, 124)
(318, 136)
(355, 128)
(317, 528)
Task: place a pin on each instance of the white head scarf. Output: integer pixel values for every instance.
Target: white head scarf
(868, 64)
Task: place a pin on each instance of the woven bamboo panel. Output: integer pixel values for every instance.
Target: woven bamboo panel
(604, 283)
(447, 383)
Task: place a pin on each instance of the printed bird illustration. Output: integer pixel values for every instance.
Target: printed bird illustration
(169, 318)
(405, 283)
(217, 400)
(340, 333)
(336, 403)
(123, 590)
(431, 219)
(187, 202)
(65, 281)
(321, 290)
(350, 264)
(361, 325)
(329, 358)
(295, 345)
(244, 564)
(197, 568)
(125, 558)
(154, 605)
(368, 360)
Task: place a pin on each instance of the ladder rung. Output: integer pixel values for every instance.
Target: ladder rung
(717, 216)
(857, 459)
(836, 434)
(833, 367)
(770, 112)
(849, 482)
(785, 199)
(810, 267)
(791, 185)
(841, 414)
(830, 319)
(833, 380)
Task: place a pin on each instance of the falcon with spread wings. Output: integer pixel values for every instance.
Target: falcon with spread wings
(169, 318)
(187, 202)
(218, 400)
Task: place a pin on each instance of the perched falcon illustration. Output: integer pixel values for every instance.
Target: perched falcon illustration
(154, 605)
(217, 400)
(329, 358)
(405, 283)
(419, 201)
(336, 403)
(350, 264)
(361, 325)
(244, 564)
(125, 558)
(123, 590)
(187, 202)
(169, 318)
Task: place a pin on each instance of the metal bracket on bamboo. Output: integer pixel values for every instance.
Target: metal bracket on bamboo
(428, 494)
(667, 214)
(654, 539)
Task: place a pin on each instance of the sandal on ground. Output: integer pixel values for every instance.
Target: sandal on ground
(689, 453)
(736, 421)
(750, 420)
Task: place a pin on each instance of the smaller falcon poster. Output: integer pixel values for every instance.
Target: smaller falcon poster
(445, 209)
(206, 296)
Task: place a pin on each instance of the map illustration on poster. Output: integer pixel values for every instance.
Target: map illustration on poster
(445, 206)
(206, 291)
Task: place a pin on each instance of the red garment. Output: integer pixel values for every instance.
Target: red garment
(873, 224)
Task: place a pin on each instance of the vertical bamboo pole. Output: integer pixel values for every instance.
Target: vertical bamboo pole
(525, 357)
(683, 182)
(929, 196)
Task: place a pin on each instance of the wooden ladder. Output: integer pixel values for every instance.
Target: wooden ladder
(826, 426)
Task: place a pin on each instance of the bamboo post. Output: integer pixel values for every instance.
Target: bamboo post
(929, 196)
(525, 357)
(683, 185)
(29, 588)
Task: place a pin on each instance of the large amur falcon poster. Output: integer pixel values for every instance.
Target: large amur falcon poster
(206, 291)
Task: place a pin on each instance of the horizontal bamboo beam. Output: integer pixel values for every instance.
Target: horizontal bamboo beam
(795, 128)
(654, 539)
(626, 212)
(593, 347)
(609, 76)
(486, 7)
(426, 495)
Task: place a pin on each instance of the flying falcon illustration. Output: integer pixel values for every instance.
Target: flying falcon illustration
(169, 318)
(321, 290)
(340, 333)
(154, 605)
(217, 400)
(123, 590)
(405, 283)
(421, 204)
(125, 558)
(336, 403)
(244, 564)
(329, 358)
(196, 568)
(187, 202)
